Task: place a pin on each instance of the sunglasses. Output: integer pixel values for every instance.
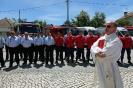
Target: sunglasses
(108, 26)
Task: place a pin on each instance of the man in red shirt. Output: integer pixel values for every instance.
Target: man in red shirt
(96, 37)
(70, 46)
(80, 42)
(122, 40)
(59, 41)
(89, 42)
(127, 45)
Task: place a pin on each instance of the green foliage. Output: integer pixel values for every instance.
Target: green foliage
(82, 19)
(123, 22)
(98, 20)
(41, 23)
(67, 23)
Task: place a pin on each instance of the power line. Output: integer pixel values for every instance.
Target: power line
(32, 8)
(100, 4)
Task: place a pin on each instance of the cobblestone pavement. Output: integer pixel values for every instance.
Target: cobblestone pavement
(58, 76)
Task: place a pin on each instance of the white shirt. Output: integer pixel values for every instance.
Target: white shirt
(2, 42)
(49, 40)
(26, 43)
(13, 41)
(38, 41)
(6, 40)
(20, 38)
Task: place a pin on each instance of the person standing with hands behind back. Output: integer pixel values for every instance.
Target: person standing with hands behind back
(2, 43)
(127, 46)
(106, 51)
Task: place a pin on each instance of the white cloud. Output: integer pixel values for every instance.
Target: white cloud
(50, 17)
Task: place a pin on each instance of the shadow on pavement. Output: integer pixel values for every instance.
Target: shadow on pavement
(125, 65)
(10, 68)
(24, 66)
(49, 66)
(38, 65)
(83, 64)
(71, 64)
(60, 64)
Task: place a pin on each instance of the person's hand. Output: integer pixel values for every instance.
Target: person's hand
(101, 55)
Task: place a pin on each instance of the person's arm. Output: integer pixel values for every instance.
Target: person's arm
(95, 50)
(113, 49)
(3, 40)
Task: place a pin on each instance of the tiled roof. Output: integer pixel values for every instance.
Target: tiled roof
(6, 23)
(128, 15)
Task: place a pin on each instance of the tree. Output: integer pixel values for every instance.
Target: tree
(123, 22)
(41, 23)
(67, 23)
(82, 19)
(98, 20)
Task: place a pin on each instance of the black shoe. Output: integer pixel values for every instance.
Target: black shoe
(72, 61)
(129, 62)
(122, 62)
(3, 66)
(18, 65)
(52, 63)
(35, 62)
(62, 62)
(24, 63)
(76, 60)
(30, 63)
(118, 62)
(10, 66)
(56, 61)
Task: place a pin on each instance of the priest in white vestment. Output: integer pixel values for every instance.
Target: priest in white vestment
(106, 51)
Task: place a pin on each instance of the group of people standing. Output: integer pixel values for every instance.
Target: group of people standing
(41, 47)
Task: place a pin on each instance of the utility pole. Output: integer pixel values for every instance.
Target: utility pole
(19, 17)
(67, 1)
(18, 21)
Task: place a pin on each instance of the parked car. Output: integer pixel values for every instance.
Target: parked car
(130, 30)
(85, 30)
(120, 30)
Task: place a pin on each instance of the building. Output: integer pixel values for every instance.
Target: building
(128, 16)
(6, 25)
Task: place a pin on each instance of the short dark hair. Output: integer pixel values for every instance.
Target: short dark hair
(112, 23)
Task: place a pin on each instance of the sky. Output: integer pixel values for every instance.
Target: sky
(54, 11)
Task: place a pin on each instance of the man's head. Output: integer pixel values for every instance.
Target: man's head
(49, 34)
(69, 33)
(90, 33)
(58, 34)
(127, 34)
(26, 34)
(38, 34)
(110, 28)
(80, 33)
(12, 33)
(7, 33)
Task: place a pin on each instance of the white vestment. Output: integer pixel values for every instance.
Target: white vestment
(107, 68)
